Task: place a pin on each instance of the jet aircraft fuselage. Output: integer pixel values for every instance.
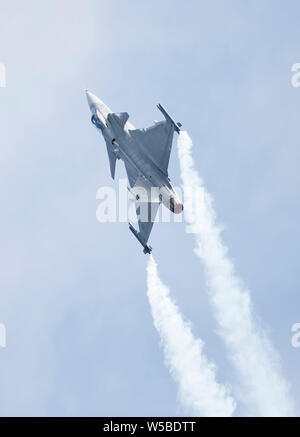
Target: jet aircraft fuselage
(145, 153)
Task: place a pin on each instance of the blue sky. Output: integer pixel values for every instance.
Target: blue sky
(80, 338)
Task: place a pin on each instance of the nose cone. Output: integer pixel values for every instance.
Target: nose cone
(96, 104)
(92, 100)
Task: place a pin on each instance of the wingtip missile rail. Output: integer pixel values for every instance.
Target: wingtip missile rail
(177, 126)
(147, 248)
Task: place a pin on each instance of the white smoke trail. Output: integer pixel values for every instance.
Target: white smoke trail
(257, 362)
(196, 376)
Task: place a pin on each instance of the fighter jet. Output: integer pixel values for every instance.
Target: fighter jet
(146, 154)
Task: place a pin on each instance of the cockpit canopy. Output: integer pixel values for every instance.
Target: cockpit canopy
(96, 122)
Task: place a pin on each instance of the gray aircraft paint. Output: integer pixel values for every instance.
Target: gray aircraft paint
(146, 154)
